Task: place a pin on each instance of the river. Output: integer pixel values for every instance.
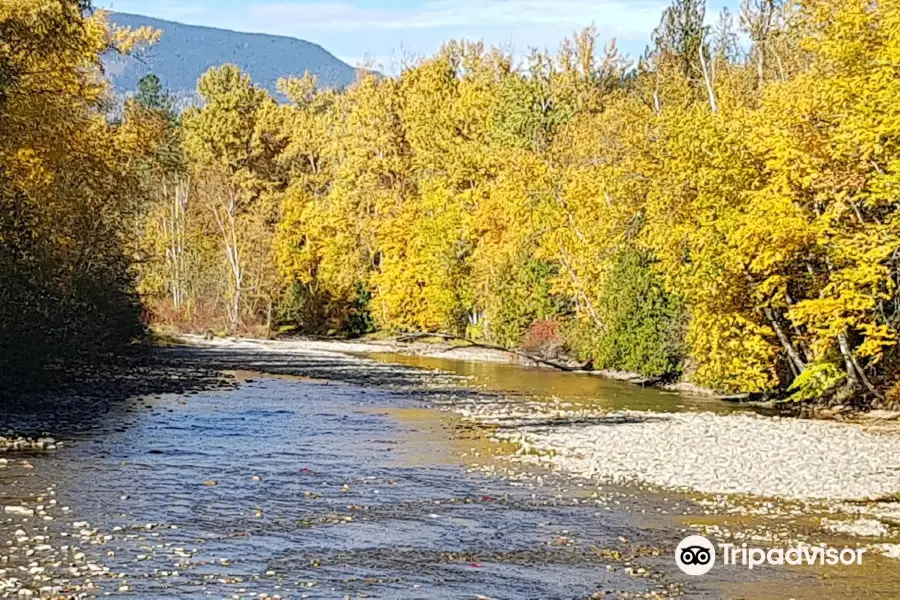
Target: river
(322, 475)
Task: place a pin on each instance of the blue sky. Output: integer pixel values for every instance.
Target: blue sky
(387, 30)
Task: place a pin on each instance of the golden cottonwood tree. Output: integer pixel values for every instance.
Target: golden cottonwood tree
(830, 142)
(233, 141)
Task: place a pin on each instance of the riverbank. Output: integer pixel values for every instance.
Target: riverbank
(749, 454)
(438, 348)
(442, 349)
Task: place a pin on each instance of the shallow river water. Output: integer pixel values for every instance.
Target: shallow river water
(334, 477)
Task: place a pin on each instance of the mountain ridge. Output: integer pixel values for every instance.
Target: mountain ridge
(184, 52)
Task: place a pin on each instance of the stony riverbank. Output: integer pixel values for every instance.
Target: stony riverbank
(714, 454)
(801, 479)
(10, 442)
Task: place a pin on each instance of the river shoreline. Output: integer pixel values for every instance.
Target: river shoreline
(824, 463)
(443, 350)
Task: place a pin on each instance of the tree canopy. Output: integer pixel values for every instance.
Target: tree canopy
(716, 210)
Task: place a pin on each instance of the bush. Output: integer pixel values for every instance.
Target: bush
(544, 339)
(816, 381)
(359, 320)
(520, 297)
(304, 310)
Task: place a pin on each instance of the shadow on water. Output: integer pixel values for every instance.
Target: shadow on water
(330, 366)
(89, 398)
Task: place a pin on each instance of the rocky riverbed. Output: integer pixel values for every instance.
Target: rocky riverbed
(312, 472)
(286, 486)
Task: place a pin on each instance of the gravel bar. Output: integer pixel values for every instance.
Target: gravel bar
(716, 454)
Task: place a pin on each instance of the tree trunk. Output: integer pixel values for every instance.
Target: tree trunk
(713, 105)
(796, 360)
(549, 363)
(226, 219)
(798, 365)
(855, 373)
(174, 224)
(760, 65)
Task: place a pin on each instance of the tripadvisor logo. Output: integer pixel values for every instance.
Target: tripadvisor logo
(695, 555)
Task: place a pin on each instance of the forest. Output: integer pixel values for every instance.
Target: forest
(724, 209)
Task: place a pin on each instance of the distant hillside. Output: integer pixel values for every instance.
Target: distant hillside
(186, 51)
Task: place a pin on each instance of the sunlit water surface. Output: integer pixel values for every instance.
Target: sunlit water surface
(313, 488)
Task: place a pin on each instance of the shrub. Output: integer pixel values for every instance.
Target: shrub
(816, 381)
(520, 296)
(544, 339)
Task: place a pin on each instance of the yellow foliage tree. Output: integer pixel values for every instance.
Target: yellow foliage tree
(69, 193)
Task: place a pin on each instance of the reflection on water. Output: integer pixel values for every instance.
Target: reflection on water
(579, 389)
